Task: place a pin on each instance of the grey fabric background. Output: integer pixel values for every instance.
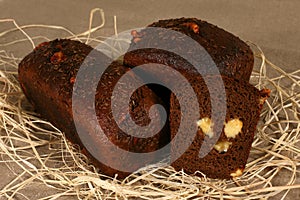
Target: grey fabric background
(272, 24)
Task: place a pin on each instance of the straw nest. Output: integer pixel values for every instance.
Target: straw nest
(40, 159)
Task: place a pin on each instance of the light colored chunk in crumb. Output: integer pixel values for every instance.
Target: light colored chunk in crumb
(233, 127)
(222, 146)
(206, 126)
(237, 173)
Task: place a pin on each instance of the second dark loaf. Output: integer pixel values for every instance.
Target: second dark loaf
(234, 60)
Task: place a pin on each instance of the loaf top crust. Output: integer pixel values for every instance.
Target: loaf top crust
(232, 56)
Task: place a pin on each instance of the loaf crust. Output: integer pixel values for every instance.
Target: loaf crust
(47, 75)
(232, 56)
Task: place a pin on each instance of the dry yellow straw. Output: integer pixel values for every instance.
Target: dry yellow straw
(39, 156)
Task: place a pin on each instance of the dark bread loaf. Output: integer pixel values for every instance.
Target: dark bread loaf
(232, 56)
(47, 76)
(229, 154)
(234, 60)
